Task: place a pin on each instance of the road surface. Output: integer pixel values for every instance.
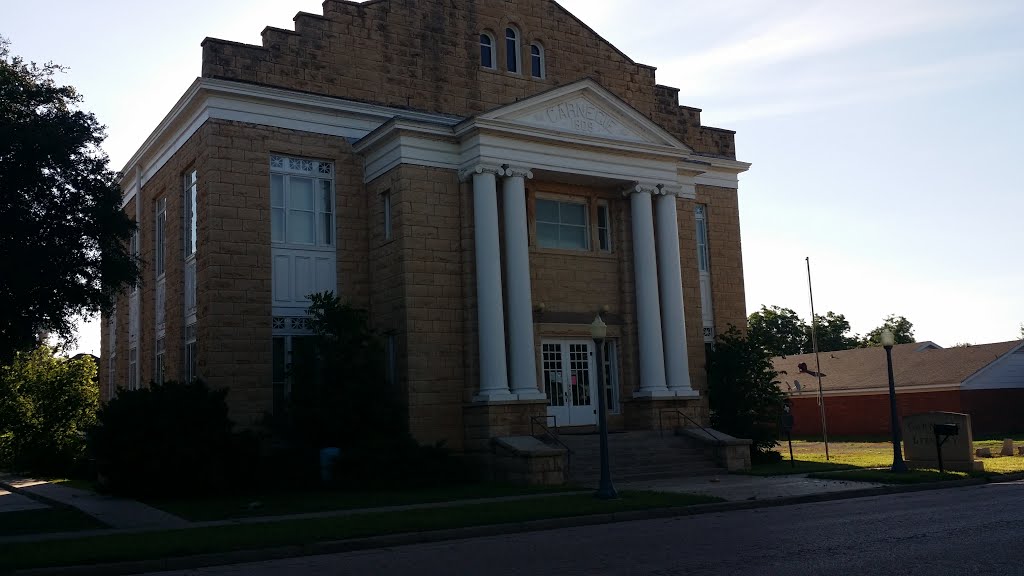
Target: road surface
(973, 530)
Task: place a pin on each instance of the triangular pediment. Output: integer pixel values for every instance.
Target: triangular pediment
(585, 108)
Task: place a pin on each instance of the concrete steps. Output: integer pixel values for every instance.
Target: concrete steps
(636, 457)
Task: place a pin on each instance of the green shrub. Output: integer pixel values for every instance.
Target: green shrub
(743, 392)
(168, 440)
(46, 404)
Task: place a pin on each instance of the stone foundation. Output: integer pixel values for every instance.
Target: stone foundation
(526, 460)
(662, 413)
(486, 421)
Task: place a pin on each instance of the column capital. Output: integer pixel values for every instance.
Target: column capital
(518, 172)
(670, 189)
(641, 188)
(467, 173)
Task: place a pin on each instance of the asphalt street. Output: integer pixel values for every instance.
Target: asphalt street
(973, 530)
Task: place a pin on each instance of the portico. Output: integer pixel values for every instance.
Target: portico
(579, 135)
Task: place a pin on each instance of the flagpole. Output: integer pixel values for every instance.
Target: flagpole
(817, 359)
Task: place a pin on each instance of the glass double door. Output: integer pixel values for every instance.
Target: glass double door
(569, 373)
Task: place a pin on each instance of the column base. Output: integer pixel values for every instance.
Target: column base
(654, 393)
(530, 394)
(688, 393)
(488, 397)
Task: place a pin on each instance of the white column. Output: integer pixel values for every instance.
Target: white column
(521, 352)
(490, 317)
(670, 282)
(652, 356)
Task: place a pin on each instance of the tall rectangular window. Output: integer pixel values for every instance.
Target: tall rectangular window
(133, 362)
(191, 212)
(301, 202)
(562, 225)
(158, 364)
(133, 247)
(191, 363)
(160, 235)
(702, 238)
(604, 230)
(386, 201)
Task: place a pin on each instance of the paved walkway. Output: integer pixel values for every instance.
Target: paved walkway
(114, 512)
(14, 502)
(736, 487)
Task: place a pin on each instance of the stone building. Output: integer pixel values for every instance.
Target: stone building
(483, 177)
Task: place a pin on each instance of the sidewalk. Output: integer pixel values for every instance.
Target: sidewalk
(739, 487)
(118, 513)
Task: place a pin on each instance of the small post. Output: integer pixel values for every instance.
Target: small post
(789, 437)
(938, 450)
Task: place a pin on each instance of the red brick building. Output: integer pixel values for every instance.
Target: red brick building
(483, 177)
(985, 381)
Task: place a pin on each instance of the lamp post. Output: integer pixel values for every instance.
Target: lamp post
(898, 465)
(598, 331)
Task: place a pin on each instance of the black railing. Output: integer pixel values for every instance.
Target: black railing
(551, 434)
(678, 413)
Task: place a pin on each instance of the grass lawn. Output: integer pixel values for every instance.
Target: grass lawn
(154, 545)
(810, 457)
(276, 503)
(46, 520)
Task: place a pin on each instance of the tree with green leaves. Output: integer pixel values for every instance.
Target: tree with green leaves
(743, 391)
(63, 235)
(833, 332)
(901, 328)
(778, 330)
(46, 405)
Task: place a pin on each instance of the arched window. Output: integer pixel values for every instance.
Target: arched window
(512, 50)
(537, 60)
(486, 50)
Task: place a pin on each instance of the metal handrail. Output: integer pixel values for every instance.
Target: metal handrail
(661, 423)
(554, 436)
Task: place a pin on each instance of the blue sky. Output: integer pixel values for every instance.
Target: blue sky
(885, 136)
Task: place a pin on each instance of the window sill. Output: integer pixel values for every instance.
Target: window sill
(570, 252)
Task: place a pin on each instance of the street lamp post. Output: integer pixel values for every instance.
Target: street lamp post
(598, 331)
(898, 465)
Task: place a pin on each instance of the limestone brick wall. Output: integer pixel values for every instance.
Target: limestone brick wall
(425, 55)
(428, 216)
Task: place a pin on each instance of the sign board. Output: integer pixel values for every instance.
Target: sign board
(919, 448)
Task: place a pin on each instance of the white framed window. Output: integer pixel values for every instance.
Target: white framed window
(302, 202)
(191, 212)
(133, 247)
(604, 228)
(158, 362)
(562, 225)
(487, 51)
(386, 201)
(191, 354)
(160, 238)
(700, 217)
(512, 49)
(133, 363)
(536, 60)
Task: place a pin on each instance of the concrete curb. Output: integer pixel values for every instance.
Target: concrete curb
(393, 540)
